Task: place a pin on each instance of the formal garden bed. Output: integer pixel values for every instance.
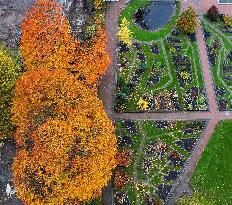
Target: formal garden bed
(218, 38)
(212, 178)
(159, 151)
(160, 71)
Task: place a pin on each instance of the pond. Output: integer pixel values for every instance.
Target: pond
(155, 15)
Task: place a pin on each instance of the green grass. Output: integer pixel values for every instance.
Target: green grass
(213, 172)
(143, 35)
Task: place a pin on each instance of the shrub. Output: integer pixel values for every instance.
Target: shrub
(98, 4)
(66, 143)
(124, 158)
(187, 21)
(9, 72)
(213, 13)
(124, 34)
(227, 20)
(121, 179)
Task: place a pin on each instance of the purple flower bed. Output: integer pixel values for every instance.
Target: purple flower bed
(155, 49)
(121, 199)
(222, 104)
(130, 126)
(220, 91)
(187, 144)
(141, 56)
(125, 141)
(175, 159)
(163, 191)
(192, 37)
(171, 175)
(165, 124)
(206, 34)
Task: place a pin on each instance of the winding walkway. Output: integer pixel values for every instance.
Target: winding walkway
(107, 92)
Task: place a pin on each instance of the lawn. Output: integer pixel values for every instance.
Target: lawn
(218, 38)
(160, 67)
(159, 150)
(212, 176)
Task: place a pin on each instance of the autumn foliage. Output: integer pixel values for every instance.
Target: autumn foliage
(187, 21)
(47, 41)
(66, 143)
(124, 158)
(93, 59)
(121, 179)
(124, 33)
(46, 38)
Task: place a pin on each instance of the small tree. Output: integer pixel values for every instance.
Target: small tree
(124, 34)
(9, 72)
(227, 20)
(187, 21)
(213, 13)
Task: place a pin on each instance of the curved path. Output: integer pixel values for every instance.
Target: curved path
(107, 92)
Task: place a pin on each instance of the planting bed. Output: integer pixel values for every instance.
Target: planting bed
(160, 150)
(163, 71)
(218, 38)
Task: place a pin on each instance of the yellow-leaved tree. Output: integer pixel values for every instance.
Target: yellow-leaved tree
(125, 34)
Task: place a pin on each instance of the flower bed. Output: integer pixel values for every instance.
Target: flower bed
(163, 75)
(159, 150)
(218, 38)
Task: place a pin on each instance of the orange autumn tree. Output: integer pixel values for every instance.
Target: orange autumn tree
(47, 42)
(93, 59)
(46, 39)
(66, 143)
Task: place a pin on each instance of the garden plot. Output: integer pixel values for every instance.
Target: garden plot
(218, 38)
(161, 75)
(160, 150)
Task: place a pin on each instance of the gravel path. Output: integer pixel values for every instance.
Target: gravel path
(108, 83)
